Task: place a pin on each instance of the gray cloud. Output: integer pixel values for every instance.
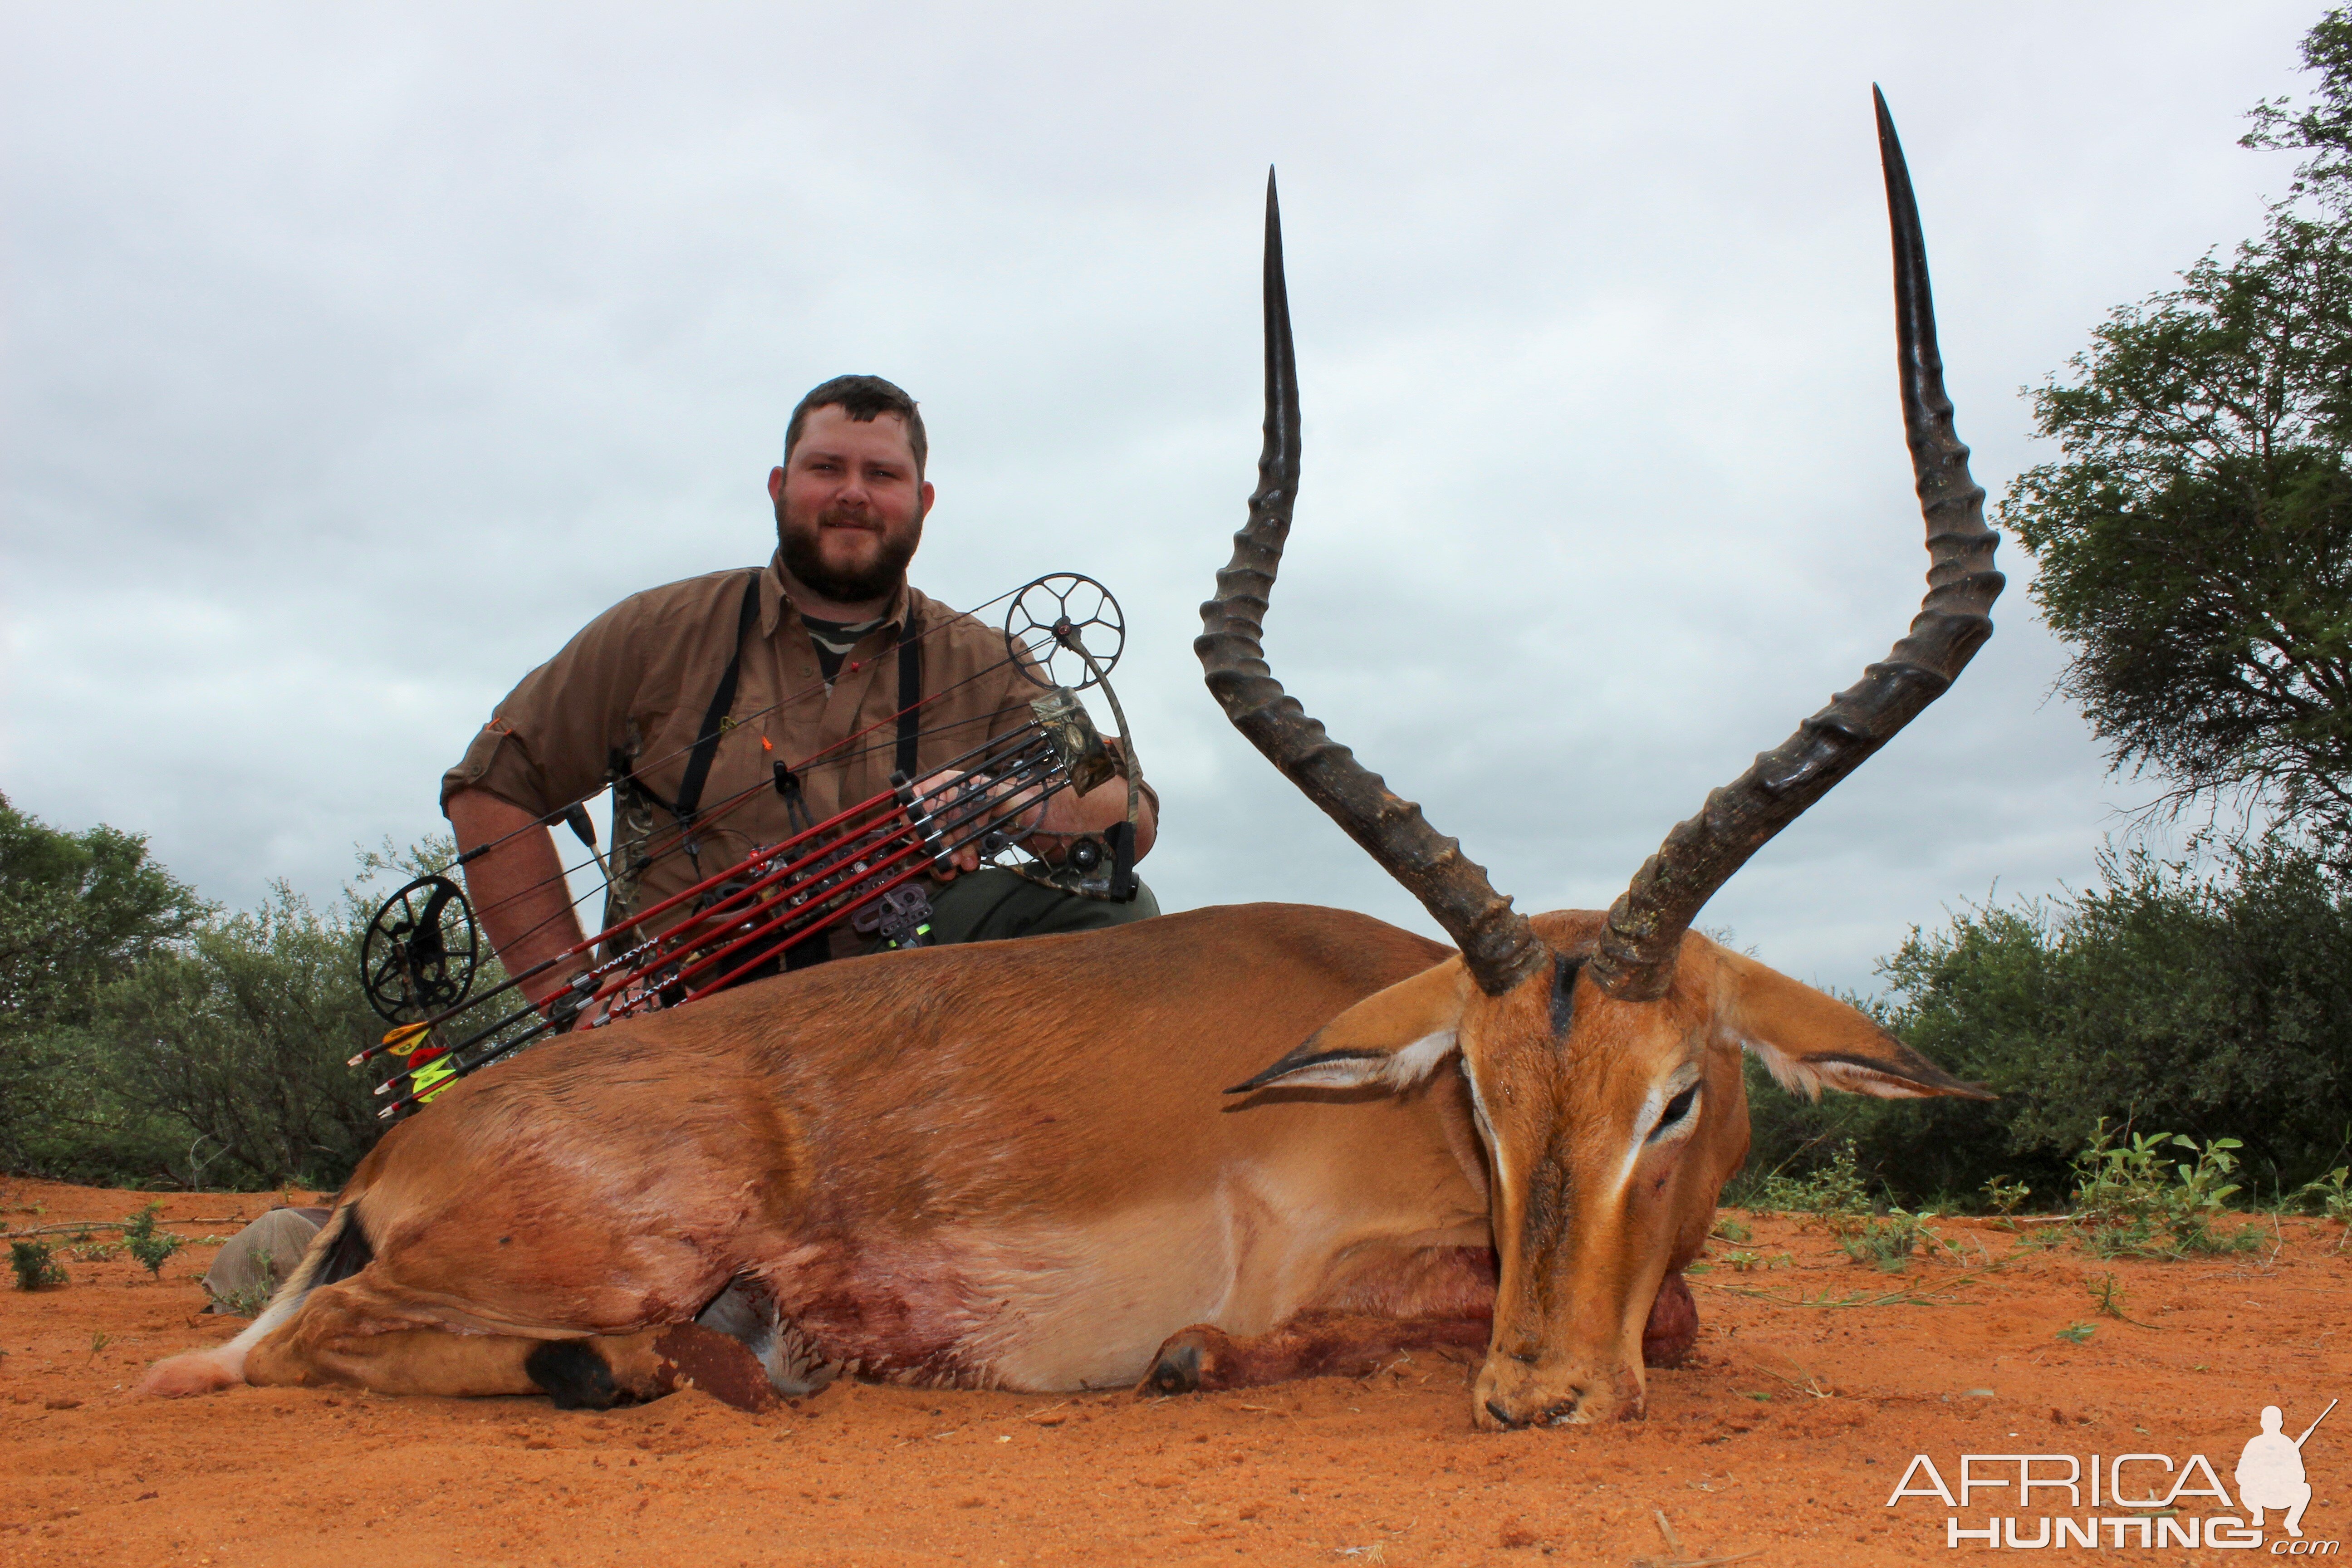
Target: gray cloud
(353, 359)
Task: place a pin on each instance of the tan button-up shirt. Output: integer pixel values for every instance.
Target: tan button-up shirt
(639, 679)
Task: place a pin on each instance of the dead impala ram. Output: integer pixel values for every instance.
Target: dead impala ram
(1066, 1163)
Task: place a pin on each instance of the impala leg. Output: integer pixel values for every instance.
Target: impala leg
(1205, 1359)
(339, 1336)
(1337, 1344)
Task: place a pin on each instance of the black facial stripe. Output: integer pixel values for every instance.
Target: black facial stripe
(1564, 971)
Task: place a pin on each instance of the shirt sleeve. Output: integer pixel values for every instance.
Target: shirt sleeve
(550, 742)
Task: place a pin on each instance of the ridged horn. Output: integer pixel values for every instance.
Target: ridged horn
(1497, 943)
(1637, 950)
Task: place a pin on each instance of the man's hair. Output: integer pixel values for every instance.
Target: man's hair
(862, 397)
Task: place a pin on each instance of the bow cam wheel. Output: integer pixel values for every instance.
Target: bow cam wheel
(421, 951)
(1051, 617)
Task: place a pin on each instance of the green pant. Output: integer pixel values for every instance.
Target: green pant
(993, 905)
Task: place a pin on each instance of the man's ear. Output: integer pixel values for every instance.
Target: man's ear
(1392, 1038)
(776, 485)
(1810, 1041)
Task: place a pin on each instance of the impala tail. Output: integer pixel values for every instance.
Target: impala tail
(339, 1250)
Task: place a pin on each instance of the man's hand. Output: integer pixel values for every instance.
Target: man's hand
(1065, 817)
(952, 798)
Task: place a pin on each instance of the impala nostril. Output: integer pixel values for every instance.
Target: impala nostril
(1495, 1409)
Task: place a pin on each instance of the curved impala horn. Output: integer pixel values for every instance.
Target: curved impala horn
(1637, 950)
(1497, 943)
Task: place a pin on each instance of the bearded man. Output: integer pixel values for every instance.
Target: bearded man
(817, 651)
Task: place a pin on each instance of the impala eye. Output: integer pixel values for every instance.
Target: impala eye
(1676, 1109)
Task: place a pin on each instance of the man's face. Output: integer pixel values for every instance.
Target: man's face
(849, 505)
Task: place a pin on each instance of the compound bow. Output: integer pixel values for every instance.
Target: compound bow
(421, 953)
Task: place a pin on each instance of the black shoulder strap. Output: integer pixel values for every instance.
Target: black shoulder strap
(722, 702)
(910, 691)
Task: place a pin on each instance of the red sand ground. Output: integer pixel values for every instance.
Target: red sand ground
(1782, 1441)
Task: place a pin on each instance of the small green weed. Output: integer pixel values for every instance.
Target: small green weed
(151, 1248)
(1888, 1244)
(248, 1302)
(1742, 1261)
(96, 1344)
(2136, 1200)
(2078, 1333)
(2107, 1299)
(1732, 1230)
(36, 1268)
(1838, 1191)
(2331, 1194)
(2004, 1196)
(95, 1252)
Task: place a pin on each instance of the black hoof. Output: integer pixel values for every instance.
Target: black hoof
(574, 1376)
(1178, 1370)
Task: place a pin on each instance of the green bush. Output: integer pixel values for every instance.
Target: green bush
(154, 1041)
(35, 1270)
(241, 1038)
(1834, 1186)
(2133, 1198)
(2213, 999)
(151, 1248)
(78, 911)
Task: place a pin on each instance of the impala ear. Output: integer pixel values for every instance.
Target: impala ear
(1392, 1038)
(1810, 1041)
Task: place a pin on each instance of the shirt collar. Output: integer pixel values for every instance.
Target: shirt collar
(775, 602)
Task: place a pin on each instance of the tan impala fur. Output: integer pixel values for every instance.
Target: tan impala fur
(1007, 1164)
(1012, 1165)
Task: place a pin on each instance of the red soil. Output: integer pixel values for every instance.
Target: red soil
(1783, 1439)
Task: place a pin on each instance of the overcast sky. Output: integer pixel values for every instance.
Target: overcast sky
(351, 359)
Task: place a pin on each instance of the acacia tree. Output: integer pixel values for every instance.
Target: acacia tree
(2195, 538)
(77, 910)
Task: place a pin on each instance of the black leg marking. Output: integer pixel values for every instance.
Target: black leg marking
(574, 1376)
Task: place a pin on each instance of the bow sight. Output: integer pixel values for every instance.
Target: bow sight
(422, 952)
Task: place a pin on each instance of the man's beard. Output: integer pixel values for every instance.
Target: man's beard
(804, 559)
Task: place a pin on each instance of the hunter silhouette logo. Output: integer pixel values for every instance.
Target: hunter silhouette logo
(2270, 1471)
(2156, 1502)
